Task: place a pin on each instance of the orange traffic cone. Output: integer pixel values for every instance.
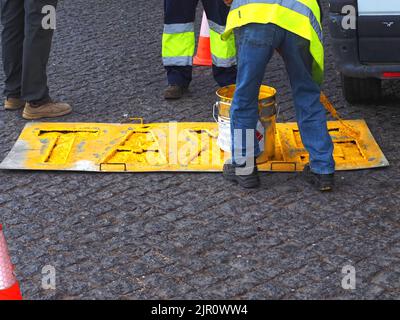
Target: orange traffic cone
(9, 287)
(203, 56)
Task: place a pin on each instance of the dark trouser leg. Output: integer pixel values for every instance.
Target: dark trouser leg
(181, 76)
(178, 40)
(37, 46)
(12, 38)
(225, 76)
(223, 52)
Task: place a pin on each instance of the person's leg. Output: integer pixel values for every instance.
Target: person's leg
(12, 38)
(257, 44)
(37, 46)
(311, 115)
(223, 52)
(178, 42)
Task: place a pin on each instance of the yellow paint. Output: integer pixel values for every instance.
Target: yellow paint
(329, 107)
(173, 147)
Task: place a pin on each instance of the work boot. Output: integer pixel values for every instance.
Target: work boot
(47, 110)
(248, 179)
(174, 92)
(322, 182)
(13, 104)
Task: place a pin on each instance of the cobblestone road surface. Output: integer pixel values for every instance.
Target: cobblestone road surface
(140, 236)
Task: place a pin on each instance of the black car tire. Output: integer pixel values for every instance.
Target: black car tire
(357, 90)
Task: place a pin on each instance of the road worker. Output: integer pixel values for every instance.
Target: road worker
(26, 43)
(178, 44)
(293, 28)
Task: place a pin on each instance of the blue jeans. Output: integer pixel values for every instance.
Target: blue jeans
(257, 43)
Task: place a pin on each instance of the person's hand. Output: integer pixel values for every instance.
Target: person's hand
(228, 2)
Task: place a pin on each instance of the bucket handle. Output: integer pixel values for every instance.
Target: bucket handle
(128, 119)
(215, 105)
(278, 112)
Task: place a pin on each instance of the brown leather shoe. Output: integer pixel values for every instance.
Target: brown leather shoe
(174, 92)
(47, 110)
(13, 104)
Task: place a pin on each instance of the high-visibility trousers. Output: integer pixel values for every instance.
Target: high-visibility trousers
(178, 44)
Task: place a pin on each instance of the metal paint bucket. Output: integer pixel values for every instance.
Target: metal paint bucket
(266, 128)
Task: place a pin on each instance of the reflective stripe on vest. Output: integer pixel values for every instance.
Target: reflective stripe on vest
(301, 17)
(178, 44)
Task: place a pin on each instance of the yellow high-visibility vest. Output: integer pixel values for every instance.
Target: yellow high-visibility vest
(302, 17)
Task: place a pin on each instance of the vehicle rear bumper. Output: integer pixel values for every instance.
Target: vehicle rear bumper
(346, 53)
